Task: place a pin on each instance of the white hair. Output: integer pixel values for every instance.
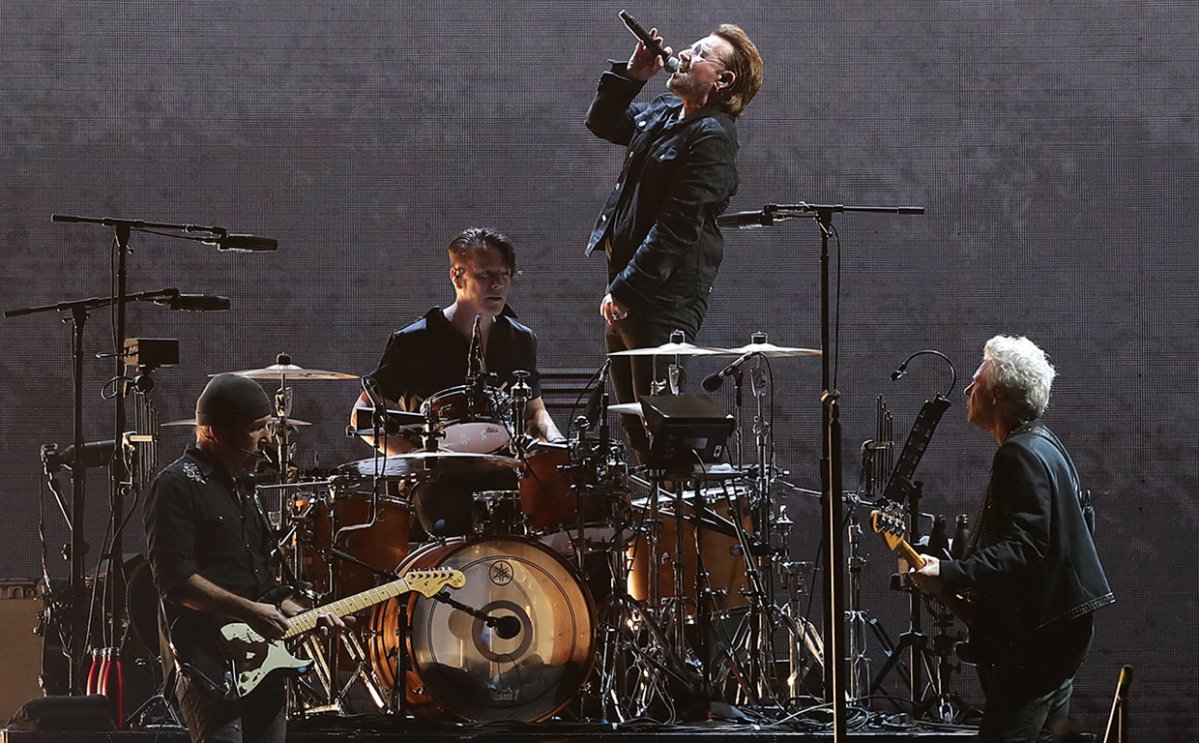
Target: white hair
(1023, 371)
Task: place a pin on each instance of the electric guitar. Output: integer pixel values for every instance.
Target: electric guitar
(253, 657)
(890, 525)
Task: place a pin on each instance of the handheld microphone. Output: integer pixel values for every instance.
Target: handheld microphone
(242, 243)
(195, 302)
(712, 382)
(671, 62)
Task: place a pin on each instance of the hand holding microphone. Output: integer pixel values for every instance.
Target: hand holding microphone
(649, 56)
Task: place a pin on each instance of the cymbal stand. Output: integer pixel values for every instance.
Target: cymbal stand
(676, 373)
(283, 398)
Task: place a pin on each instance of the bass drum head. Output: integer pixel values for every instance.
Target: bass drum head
(465, 669)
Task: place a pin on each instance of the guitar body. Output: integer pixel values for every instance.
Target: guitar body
(254, 657)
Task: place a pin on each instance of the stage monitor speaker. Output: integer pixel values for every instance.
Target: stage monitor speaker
(20, 608)
(63, 714)
(685, 430)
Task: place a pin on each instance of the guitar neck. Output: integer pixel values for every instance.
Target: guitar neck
(910, 554)
(306, 621)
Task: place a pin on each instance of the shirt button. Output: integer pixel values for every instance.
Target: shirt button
(603, 217)
(618, 185)
(641, 123)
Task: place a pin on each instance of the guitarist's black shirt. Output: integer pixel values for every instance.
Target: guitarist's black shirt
(197, 522)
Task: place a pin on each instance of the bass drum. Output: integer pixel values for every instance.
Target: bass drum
(458, 666)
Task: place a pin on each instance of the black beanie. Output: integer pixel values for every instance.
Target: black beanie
(230, 398)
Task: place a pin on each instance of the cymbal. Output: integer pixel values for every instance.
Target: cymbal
(291, 371)
(399, 466)
(772, 351)
(189, 422)
(628, 408)
(671, 349)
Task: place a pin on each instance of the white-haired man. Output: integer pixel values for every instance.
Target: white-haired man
(1030, 571)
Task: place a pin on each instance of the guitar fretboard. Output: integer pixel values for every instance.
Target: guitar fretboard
(306, 621)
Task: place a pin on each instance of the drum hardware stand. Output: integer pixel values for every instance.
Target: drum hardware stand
(830, 464)
(859, 687)
(876, 467)
(676, 373)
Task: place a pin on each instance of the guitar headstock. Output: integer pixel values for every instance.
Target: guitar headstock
(429, 582)
(888, 522)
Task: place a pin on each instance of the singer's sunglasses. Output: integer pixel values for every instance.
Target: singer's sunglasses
(701, 54)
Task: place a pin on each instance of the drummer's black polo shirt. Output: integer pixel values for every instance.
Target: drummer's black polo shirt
(430, 355)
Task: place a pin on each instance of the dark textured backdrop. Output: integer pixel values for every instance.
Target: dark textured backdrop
(1053, 144)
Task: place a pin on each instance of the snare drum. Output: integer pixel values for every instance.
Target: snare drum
(478, 426)
(464, 669)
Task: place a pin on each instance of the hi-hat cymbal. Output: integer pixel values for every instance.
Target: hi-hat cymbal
(418, 462)
(772, 351)
(192, 422)
(290, 371)
(671, 349)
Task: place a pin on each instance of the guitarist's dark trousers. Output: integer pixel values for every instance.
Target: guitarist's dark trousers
(1028, 689)
(258, 717)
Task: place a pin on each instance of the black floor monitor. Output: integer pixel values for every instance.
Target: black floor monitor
(685, 429)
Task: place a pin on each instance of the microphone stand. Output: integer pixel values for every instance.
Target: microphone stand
(830, 463)
(80, 309)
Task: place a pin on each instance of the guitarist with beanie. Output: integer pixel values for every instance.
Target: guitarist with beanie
(1030, 570)
(211, 554)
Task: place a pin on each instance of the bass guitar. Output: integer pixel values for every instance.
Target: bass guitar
(253, 657)
(890, 525)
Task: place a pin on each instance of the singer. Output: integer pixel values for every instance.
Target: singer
(1030, 568)
(210, 549)
(432, 354)
(658, 227)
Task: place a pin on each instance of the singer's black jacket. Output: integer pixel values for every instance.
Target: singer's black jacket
(658, 227)
(198, 522)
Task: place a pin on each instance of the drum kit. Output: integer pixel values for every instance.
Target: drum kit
(596, 589)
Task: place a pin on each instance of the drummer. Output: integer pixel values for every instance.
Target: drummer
(431, 354)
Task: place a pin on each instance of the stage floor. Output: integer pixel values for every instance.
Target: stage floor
(373, 728)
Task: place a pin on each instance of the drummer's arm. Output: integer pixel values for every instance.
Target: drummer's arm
(394, 444)
(541, 424)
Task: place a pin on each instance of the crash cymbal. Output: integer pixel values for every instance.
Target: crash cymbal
(290, 371)
(399, 466)
(772, 351)
(190, 422)
(671, 349)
